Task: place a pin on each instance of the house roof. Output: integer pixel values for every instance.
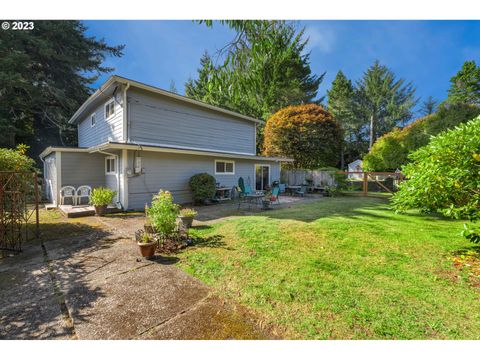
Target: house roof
(172, 150)
(115, 79)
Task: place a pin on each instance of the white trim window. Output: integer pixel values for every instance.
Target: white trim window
(110, 109)
(224, 167)
(93, 120)
(110, 165)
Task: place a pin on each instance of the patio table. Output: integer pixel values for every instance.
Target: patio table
(249, 198)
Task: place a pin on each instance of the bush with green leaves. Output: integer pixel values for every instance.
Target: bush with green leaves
(203, 187)
(444, 176)
(163, 214)
(16, 159)
(102, 196)
(390, 152)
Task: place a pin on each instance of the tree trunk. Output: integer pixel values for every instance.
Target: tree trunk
(342, 159)
(372, 131)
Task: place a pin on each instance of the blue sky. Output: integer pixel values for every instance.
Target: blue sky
(428, 53)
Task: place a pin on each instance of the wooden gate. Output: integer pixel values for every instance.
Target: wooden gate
(377, 178)
(19, 217)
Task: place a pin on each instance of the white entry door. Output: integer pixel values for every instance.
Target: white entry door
(111, 175)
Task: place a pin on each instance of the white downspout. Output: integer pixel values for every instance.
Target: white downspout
(125, 114)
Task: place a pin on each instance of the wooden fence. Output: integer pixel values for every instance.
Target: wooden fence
(356, 180)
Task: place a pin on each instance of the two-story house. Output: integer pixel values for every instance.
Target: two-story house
(137, 139)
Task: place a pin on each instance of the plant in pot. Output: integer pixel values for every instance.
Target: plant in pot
(267, 200)
(148, 223)
(187, 215)
(100, 198)
(146, 243)
(163, 215)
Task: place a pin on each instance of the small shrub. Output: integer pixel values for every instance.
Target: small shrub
(188, 212)
(16, 159)
(203, 187)
(340, 181)
(163, 214)
(102, 196)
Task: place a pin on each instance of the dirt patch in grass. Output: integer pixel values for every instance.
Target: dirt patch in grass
(467, 261)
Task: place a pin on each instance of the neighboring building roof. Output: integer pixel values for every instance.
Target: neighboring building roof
(121, 80)
(163, 149)
(358, 161)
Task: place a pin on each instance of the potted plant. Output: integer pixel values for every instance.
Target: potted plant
(146, 243)
(266, 201)
(100, 198)
(187, 215)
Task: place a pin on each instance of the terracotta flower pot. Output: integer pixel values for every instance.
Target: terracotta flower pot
(147, 249)
(187, 221)
(100, 210)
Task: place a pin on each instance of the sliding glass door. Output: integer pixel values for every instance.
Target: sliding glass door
(262, 176)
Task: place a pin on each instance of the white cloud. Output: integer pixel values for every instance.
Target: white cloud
(321, 39)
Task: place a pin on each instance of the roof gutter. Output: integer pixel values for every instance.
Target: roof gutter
(144, 147)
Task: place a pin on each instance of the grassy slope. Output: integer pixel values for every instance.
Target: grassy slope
(342, 268)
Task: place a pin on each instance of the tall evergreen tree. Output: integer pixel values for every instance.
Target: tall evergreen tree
(46, 74)
(341, 103)
(383, 101)
(429, 106)
(262, 70)
(465, 85)
(173, 87)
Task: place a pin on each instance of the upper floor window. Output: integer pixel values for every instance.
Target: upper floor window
(109, 109)
(93, 120)
(224, 167)
(110, 165)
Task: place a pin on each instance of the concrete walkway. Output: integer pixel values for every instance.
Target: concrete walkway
(97, 287)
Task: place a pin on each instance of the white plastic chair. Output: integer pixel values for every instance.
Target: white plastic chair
(83, 191)
(67, 192)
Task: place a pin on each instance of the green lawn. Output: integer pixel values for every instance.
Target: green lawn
(343, 268)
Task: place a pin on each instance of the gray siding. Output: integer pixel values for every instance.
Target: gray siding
(83, 169)
(50, 176)
(173, 171)
(105, 129)
(156, 119)
(87, 169)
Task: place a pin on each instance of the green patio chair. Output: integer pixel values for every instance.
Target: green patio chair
(241, 184)
(302, 191)
(275, 195)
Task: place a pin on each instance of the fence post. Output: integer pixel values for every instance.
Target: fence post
(365, 183)
(37, 215)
